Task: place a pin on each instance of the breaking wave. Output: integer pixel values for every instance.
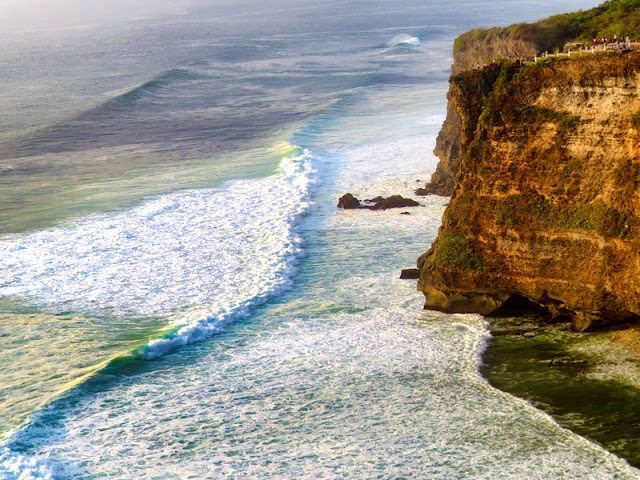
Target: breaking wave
(404, 39)
(14, 466)
(231, 248)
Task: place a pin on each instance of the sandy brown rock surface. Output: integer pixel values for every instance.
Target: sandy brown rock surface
(546, 200)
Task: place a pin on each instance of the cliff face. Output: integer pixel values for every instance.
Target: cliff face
(546, 203)
(523, 41)
(483, 45)
(466, 94)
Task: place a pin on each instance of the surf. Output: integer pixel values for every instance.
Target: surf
(109, 277)
(404, 39)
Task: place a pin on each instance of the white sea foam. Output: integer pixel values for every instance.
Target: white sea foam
(386, 389)
(404, 39)
(231, 248)
(23, 467)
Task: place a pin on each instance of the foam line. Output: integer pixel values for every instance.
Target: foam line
(230, 249)
(23, 467)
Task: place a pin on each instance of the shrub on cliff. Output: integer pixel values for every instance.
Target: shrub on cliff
(456, 251)
(596, 216)
(524, 40)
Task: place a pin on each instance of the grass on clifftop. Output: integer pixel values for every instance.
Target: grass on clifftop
(615, 17)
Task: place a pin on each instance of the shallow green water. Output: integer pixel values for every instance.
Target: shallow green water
(557, 372)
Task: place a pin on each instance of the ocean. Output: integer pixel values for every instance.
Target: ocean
(180, 298)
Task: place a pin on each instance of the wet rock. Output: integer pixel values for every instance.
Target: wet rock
(410, 273)
(348, 201)
(394, 201)
(428, 189)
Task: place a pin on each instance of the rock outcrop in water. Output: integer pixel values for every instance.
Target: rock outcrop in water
(546, 200)
(348, 201)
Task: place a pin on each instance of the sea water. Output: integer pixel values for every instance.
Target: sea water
(180, 297)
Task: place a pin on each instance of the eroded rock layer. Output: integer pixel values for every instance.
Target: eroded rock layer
(546, 202)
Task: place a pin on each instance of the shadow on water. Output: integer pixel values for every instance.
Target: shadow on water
(551, 372)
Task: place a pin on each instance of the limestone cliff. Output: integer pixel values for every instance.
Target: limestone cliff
(547, 191)
(519, 41)
(524, 41)
(465, 96)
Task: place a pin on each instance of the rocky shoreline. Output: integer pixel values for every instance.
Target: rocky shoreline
(589, 382)
(542, 233)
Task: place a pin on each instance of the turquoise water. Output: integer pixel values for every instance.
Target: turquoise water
(231, 322)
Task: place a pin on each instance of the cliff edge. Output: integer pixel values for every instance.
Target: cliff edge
(524, 42)
(546, 198)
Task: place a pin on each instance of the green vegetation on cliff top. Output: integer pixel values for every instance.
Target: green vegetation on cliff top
(615, 17)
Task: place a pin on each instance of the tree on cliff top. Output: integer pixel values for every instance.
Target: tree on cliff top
(615, 17)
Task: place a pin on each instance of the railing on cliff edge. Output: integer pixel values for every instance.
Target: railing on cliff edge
(601, 48)
(595, 49)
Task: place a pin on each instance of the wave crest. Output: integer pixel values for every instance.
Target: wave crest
(199, 258)
(404, 39)
(14, 466)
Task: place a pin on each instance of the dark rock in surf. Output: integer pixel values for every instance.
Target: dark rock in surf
(348, 202)
(394, 201)
(428, 189)
(410, 273)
